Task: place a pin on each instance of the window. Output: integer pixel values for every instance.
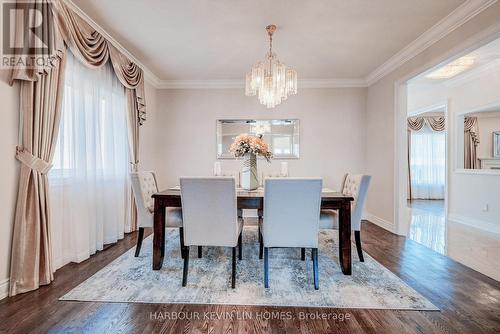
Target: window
(89, 180)
(428, 164)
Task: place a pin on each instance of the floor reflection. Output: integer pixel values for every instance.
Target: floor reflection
(473, 247)
(428, 225)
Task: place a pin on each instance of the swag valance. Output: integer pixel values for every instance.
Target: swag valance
(435, 123)
(470, 125)
(41, 90)
(62, 28)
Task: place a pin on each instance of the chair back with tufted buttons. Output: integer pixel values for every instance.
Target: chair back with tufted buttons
(144, 186)
(356, 185)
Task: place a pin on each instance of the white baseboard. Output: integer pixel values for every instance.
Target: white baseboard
(4, 288)
(379, 221)
(475, 223)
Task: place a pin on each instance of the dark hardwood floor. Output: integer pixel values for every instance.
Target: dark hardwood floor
(469, 302)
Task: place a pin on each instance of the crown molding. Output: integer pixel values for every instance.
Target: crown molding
(240, 84)
(332, 83)
(201, 84)
(455, 19)
(436, 107)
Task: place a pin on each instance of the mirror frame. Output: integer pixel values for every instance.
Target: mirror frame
(227, 156)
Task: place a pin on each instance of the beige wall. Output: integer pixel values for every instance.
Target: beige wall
(148, 143)
(332, 128)
(381, 115)
(9, 97)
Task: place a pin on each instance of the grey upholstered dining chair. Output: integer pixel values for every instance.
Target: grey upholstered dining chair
(357, 187)
(291, 218)
(210, 217)
(144, 185)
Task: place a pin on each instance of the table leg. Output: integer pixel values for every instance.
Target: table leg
(345, 238)
(159, 234)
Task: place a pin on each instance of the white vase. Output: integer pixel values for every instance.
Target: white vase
(249, 179)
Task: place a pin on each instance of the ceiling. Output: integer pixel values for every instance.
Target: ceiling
(222, 39)
(486, 59)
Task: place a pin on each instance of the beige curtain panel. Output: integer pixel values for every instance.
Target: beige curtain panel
(471, 140)
(40, 107)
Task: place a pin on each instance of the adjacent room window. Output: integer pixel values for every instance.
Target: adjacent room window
(89, 180)
(428, 164)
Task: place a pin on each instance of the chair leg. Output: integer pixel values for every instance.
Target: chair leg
(315, 268)
(261, 244)
(186, 266)
(303, 254)
(266, 267)
(140, 236)
(240, 247)
(200, 249)
(181, 240)
(233, 276)
(357, 236)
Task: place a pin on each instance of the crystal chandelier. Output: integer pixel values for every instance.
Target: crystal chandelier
(272, 80)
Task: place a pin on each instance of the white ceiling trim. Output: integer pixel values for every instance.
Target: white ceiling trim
(331, 83)
(455, 19)
(200, 84)
(240, 84)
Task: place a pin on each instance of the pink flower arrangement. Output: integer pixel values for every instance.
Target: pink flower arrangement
(245, 143)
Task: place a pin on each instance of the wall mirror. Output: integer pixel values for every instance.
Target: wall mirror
(479, 139)
(282, 135)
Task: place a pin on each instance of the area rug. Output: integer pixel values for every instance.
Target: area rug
(132, 280)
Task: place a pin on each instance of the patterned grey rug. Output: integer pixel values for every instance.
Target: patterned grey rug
(132, 280)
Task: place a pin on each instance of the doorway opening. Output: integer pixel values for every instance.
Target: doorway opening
(456, 88)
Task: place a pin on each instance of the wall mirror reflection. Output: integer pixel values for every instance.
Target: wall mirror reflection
(282, 135)
(479, 139)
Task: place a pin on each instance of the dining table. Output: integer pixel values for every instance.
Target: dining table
(254, 199)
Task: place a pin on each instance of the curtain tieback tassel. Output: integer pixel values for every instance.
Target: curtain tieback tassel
(35, 163)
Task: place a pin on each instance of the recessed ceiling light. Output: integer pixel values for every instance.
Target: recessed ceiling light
(453, 68)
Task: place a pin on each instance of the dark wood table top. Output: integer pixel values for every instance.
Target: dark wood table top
(257, 193)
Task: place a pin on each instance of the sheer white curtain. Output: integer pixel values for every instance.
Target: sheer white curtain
(428, 164)
(89, 180)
